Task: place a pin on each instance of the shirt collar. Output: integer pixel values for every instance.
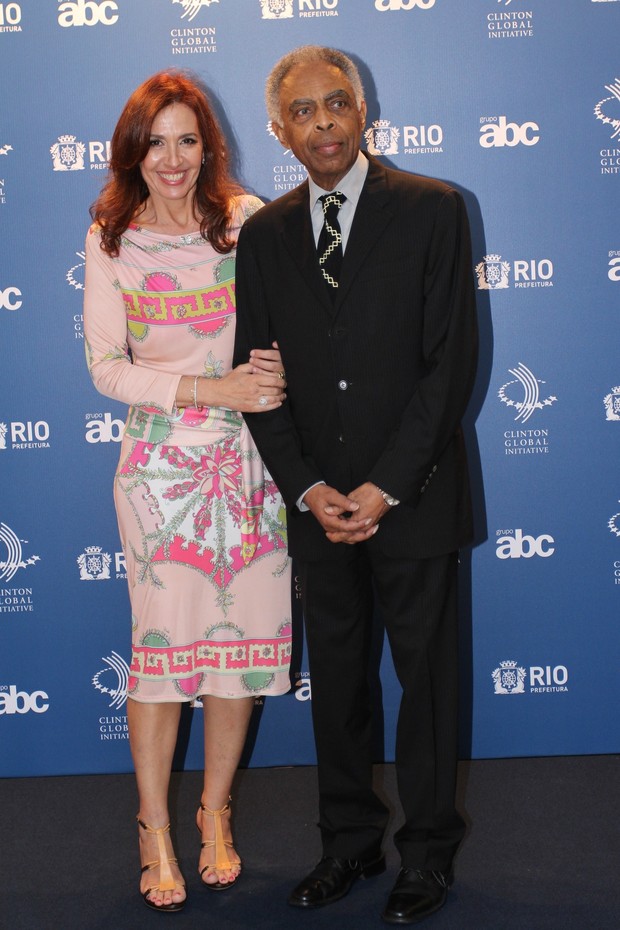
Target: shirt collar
(350, 185)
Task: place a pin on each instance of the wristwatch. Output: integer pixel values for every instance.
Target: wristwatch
(389, 500)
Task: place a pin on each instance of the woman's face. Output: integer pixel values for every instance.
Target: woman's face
(172, 164)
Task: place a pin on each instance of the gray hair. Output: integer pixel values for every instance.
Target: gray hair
(301, 56)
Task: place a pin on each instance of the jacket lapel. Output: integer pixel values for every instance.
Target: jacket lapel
(298, 240)
(372, 215)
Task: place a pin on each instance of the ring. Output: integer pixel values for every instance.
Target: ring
(262, 401)
(281, 375)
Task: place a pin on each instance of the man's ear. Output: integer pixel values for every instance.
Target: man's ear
(362, 112)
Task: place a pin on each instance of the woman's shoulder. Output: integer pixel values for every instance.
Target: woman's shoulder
(93, 239)
(243, 207)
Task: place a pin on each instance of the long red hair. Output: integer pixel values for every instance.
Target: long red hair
(125, 190)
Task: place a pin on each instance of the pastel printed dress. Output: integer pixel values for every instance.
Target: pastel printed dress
(202, 524)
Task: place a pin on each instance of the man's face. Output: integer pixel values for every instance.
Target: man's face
(321, 122)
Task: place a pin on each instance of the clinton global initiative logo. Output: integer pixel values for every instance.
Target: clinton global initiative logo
(511, 678)
(94, 564)
(508, 678)
(112, 679)
(75, 279)
(523, 393)
(68, 154)
(193, 40)
(614, 524)
(4, 150)
(510, 24)
(3, 432)
(191, 8)
(11, 549)
(286, 176)
(75, 274)
(271, 132)
(612, 404)
(607, 111)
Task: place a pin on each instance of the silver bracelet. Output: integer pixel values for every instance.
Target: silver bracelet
(194, 393)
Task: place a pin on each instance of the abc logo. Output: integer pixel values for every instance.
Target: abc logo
(10, 298)
(524, 547)
(20, 702)
(105, 430)
(87, 13)
(303, 690)
(614, 270)
(496, 135)
(384, 5)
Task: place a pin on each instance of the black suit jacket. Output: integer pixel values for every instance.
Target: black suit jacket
(378, 381)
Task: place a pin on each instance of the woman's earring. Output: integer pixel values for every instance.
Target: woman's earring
(203, 159)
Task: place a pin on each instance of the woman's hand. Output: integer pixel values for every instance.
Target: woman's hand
(248, 389)
(254, 387)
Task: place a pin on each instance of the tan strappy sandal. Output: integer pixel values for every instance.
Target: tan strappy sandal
(223, 862)
(166, 879)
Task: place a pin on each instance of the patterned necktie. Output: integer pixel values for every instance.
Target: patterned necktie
(329, 248)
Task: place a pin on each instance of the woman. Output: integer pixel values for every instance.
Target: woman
(201, 522)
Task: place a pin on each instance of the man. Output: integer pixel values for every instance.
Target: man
(368, 454)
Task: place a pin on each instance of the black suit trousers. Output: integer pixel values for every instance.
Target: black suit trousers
(417, 603)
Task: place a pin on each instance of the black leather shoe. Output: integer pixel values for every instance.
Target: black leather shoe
(416, 894)
(332, 879)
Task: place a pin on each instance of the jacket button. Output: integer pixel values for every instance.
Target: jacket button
(343, 385)
(341, 438)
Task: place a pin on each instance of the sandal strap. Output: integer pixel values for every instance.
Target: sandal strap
(166, 878)
(156, 831)
(222, 810)
(222, 859)
(155, 864)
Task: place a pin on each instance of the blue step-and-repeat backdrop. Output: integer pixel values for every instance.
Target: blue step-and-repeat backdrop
(516, 103)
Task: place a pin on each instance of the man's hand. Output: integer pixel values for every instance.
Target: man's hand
(371, 507)
(349, 519)
(338, 515)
